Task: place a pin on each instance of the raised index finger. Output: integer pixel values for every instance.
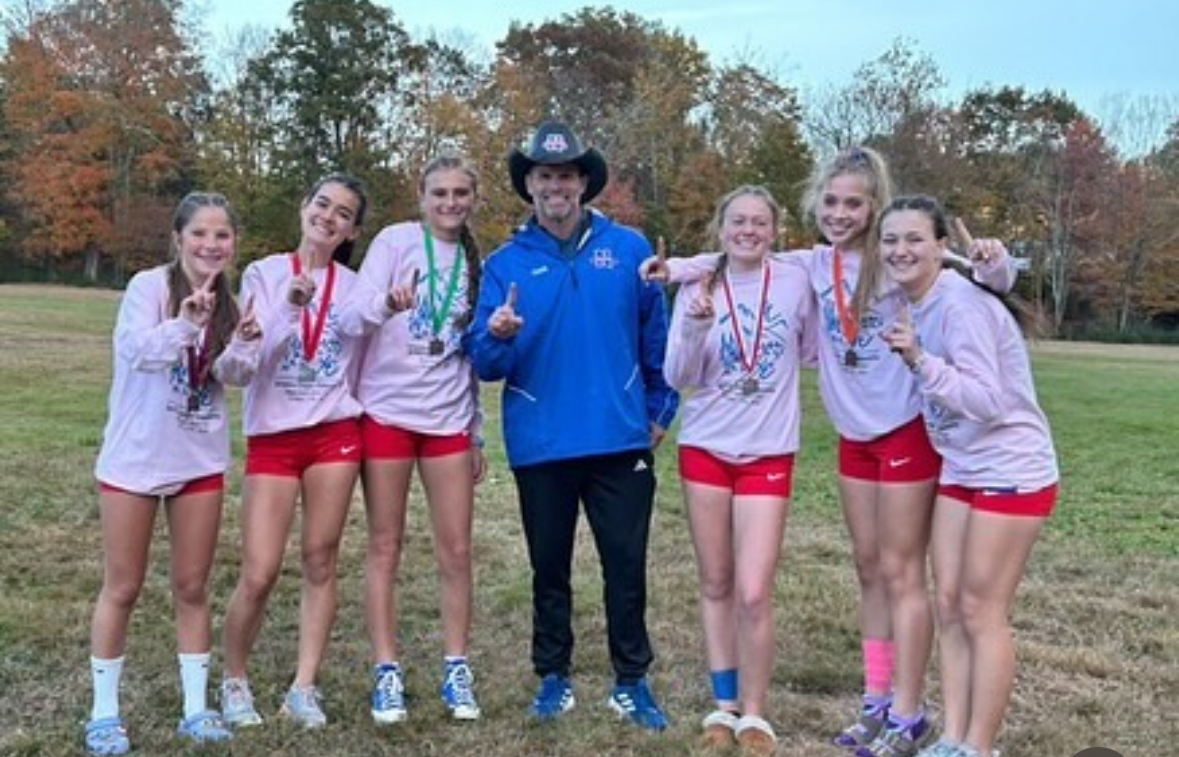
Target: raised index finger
(660, 250)
(963, 234)
(417, 276)
(207, 287)
(512, 295)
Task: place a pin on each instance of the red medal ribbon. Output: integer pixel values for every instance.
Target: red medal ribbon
(198, 360)
(849, 324)
(761, 309)
(313, 334)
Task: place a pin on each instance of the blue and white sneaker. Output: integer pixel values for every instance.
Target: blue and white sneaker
(554, 698)
(458, 691)
(388, 696)
(302, 706)
(637, 703)
(107, 736)
(237, 703)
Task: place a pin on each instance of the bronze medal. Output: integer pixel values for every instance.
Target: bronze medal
(749, 385)
(435, 346)
(850, 359)
(194, 402)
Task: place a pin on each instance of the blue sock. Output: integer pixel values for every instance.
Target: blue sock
(724, 685)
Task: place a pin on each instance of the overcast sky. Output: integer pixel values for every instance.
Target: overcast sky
(1091, 50)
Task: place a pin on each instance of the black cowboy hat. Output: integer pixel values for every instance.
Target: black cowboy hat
(553, 143)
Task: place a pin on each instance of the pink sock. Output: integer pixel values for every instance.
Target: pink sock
(878, 662)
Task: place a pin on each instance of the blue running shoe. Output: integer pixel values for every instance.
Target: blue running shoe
(637, 703)
(388, 696)
(458, 691)
(554, 698)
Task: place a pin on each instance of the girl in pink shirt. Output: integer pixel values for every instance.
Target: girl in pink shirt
(303, 442)
(999, 478)
(178, 340)
(887, 467)
(734, 348)
(418, 283)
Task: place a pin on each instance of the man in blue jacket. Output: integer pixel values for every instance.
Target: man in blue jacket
(578, 338)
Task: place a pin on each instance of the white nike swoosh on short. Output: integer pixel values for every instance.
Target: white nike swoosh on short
(775, 476)
(348, 450)
(899, 462)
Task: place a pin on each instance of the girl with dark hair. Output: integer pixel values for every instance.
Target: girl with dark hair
(302, 442)
(999, 474)
(178, 340)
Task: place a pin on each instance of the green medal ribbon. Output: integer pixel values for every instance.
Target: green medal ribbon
(438, 314)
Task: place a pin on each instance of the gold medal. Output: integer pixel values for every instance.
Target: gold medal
(435, 346)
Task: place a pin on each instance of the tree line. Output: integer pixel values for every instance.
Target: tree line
(111, 111)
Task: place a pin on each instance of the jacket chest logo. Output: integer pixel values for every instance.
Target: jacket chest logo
(603, 258)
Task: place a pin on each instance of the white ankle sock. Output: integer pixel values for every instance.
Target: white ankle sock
(194, 678)
(105, 676)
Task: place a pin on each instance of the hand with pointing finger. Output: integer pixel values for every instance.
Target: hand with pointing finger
(247, 327)
(655, 268)
(984, 252)
(404, 297)
(197, 308)
(701, 306)
(504, 323)
(302, 290)
(901, 338)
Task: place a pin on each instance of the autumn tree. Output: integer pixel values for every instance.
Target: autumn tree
(99, 99)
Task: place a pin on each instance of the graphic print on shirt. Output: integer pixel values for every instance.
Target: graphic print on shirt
(422, 317)
(775, 328)
(870, 325)
(179, 398)
(324, 367)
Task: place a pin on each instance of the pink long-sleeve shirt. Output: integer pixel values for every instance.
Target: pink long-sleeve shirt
(290, 392)
(402, 382)
(722, 412)
(153, 443)
(977, 393)
(876, 395)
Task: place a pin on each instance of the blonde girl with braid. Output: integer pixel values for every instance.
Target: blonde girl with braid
(422, 411)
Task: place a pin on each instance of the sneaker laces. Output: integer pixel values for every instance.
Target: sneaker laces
(388, 686)
(459, 681)
(237, 695)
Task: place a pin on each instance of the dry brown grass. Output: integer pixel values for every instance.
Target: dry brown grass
(1098, 643)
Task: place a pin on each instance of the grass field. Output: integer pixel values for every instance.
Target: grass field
(1095, 619)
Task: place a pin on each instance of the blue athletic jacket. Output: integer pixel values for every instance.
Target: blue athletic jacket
(584, 375)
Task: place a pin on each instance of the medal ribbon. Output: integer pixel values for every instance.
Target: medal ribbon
(198, 361)
(312, 334)
(849, 324)
(438, 314)
(761, 309)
